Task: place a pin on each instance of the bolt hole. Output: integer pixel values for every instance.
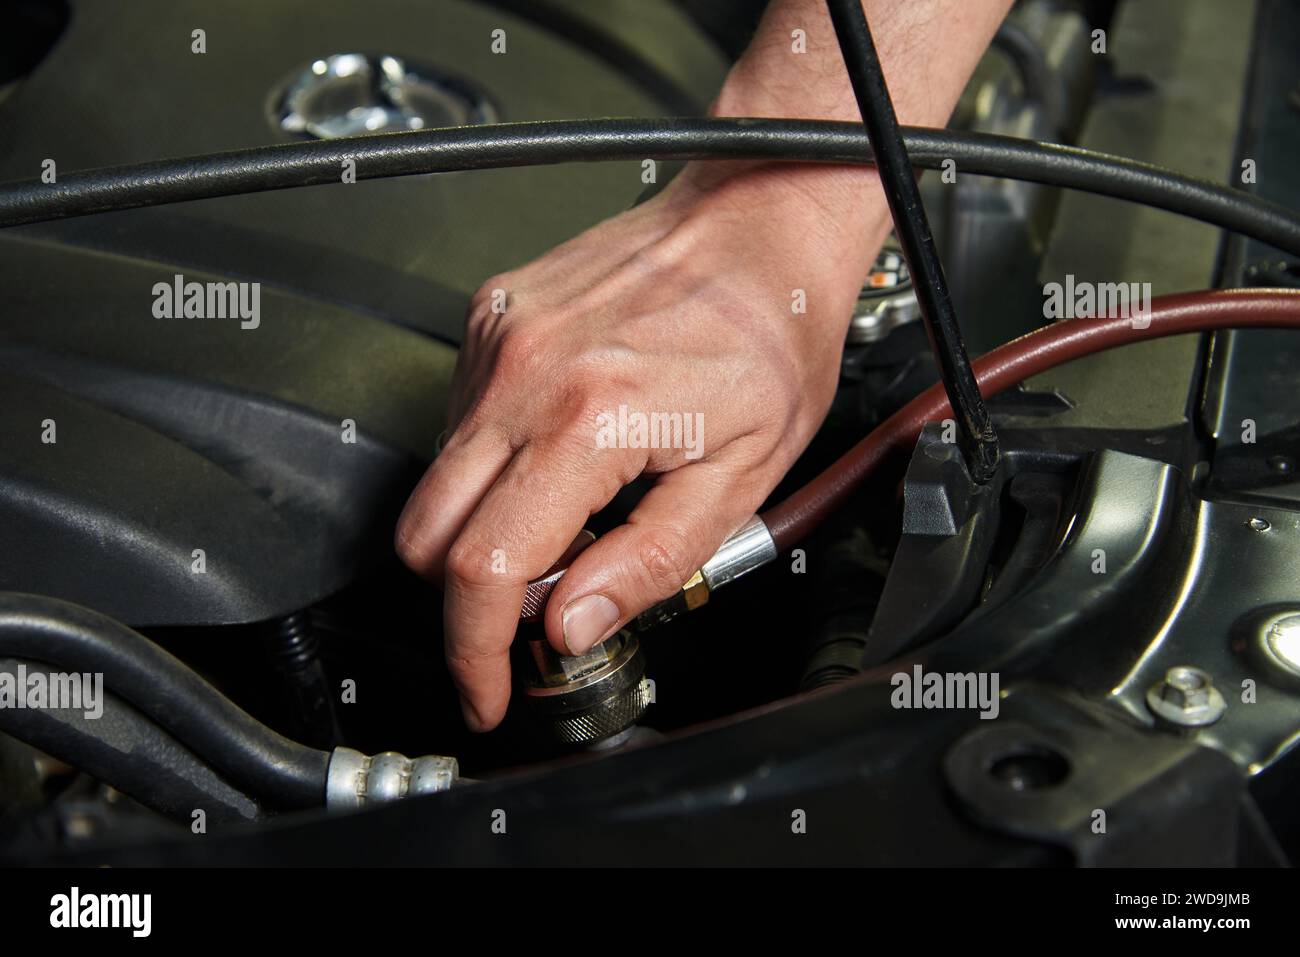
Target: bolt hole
(1031, 769)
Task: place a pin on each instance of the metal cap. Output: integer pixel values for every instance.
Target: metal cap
(588, 698)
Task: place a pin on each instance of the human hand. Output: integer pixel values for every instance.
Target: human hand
(719, 306)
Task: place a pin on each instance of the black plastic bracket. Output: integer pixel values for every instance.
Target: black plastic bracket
(950, 523)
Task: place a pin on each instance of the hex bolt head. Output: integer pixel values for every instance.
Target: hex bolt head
(1186, 688)
(1186, 697)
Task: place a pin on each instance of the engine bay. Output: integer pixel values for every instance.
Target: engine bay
(198, 491)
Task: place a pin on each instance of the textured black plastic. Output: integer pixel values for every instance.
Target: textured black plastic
(177, 435)
(180, 434)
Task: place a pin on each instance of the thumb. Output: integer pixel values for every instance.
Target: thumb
(675, 529)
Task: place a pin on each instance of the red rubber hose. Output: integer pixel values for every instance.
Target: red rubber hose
(1013, 362)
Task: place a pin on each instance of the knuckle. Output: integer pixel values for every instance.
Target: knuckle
(581, 402)
(471, 563)
(519, 352)
(488, 306)
(477, 321)
(581, 397)
(664, 558)
(590, 396)
(411, 555)
(489, 288)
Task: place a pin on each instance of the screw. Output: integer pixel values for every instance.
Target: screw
(1259, 524)
(1281, 464)
(1186, 697)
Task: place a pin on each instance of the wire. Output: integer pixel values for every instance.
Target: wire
(317, 163)
(975, 433)
(251, 755)
(1013, 362)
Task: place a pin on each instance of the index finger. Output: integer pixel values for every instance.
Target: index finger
(537, 507)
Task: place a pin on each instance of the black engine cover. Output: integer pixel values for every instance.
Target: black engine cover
(173, 435)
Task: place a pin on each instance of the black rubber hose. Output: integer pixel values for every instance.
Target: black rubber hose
(975, 433)
(568, 141)
(242, 749)
(127, 751)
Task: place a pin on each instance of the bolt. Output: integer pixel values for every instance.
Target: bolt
(1281, 464)
(1186, 697)
(1185, 688)
(1259, 524)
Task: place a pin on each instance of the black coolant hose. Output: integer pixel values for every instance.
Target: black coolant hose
(246, 752)
(118, 745)
(571, 141)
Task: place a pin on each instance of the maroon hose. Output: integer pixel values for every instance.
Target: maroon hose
(1013, 362)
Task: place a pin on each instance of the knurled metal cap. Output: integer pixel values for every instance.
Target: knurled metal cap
(591, 697)
(606, 719)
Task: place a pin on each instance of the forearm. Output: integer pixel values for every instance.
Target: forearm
(928, 49)
(793, 68)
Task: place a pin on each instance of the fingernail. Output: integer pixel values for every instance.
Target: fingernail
(587, 621)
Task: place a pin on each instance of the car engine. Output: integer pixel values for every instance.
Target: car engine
(215, 403)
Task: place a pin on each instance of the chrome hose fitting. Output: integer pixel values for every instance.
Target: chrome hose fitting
(749, 548)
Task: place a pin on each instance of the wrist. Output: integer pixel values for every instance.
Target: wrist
(777, 223)
(833, 219)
